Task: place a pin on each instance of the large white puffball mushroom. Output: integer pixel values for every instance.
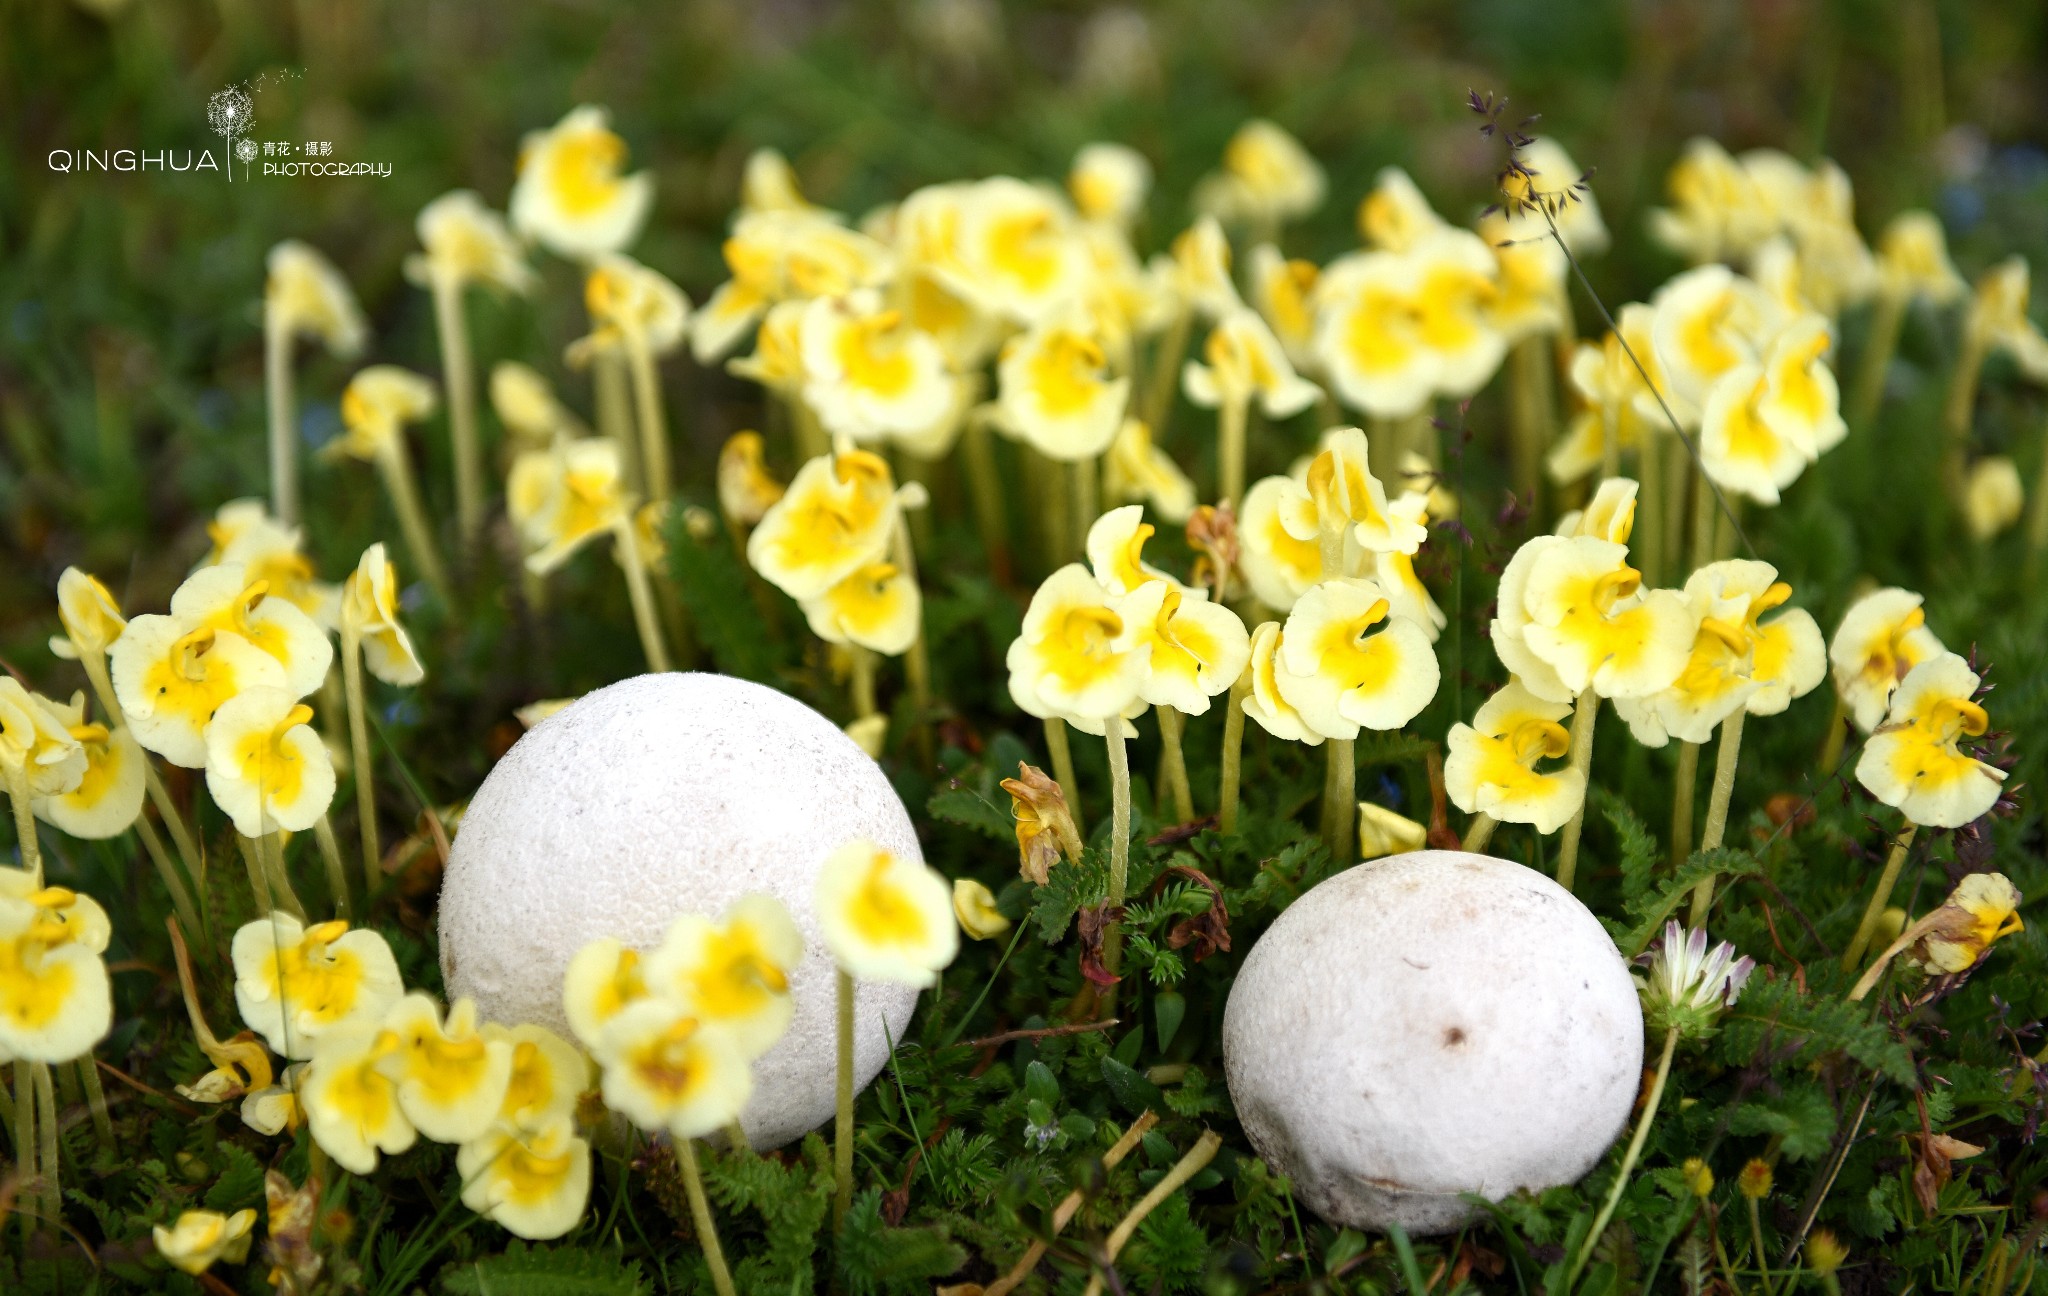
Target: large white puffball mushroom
(1428, 1025)
(659, 796)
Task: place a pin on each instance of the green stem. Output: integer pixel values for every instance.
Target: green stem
(458, 375)
(648, 414)
(277, 381)
(1230, 439)
(330, 855)
(270, 849)
(1340, 797)
(641, 595)
(1583, 718)
(96, 1101)
(1062, 754)
(1233, 753)
(1682, 791)
(1530, 396)
(18, 795)
(917, 664)
(25, 1133)
(1479, 832)
(1119, 849)
(1628, 1160)
(1756, 1231)
(1837, 736)
(1610, 442)
(1166, 373)
(863, 681)
(1887, 315)
(842, 1125)
(700, 1215)
(2037, 517)
(412, 516)
(1875, 910)
(47, 1128)
(359, 753)
(977, 453)
(615, 412)
(811, 441)
(1716, 826)
(1171, 726)
(1957, 414)
(181, 897)
(1086, 475)
(1704, 519)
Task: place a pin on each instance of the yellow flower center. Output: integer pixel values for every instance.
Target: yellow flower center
(1018, 247)
(1066, 373)
(190, 682)
(881, 913)
(312, 980)
(1612, 587)
(448, 1069)
(360, 1093)
(1081, 641)
(1379, 334)
(34, 991)
(583, 170)
(525, 1174)
(1535, 740)
(737, 978)
(1953, 718)
(1355, 661)
(276, 765)
(870, 352)
(1701, 341)
(670, 1064)
(1889, 659)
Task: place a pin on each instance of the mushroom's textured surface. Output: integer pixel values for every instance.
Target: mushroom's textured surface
(663, 795)
(1427, 1025)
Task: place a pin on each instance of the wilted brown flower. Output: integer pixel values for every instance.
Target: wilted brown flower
(1045, 827)
(745, 488)
(1212, 534)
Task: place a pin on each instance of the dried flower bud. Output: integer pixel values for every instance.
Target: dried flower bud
(1212, 534)
(1045, 827)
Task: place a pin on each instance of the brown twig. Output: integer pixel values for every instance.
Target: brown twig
(1042, 1032)
(138, 1085)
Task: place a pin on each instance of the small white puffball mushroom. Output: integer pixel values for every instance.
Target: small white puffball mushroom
(659, 796)
(1427, 1025)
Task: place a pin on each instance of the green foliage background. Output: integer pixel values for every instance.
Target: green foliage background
(131, 406)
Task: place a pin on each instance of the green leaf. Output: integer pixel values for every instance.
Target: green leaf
(1131, 1090)
(970, 809)
(1639, 851)
(1653, 909)
(723, 612)
(1800, 1116)
(523, 1270)
(240, 1184)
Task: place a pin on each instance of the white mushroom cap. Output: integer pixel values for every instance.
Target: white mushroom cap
(654, 797)
(1427, 1025)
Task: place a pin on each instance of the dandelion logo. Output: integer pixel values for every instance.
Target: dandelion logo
(229, 112)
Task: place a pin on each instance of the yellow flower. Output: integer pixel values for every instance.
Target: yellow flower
(1045, 826)
(91, 616)
(1717, 208)
(1755, 1180)
(975, 907)
(732, 973)
(1998, 317)
(1078, 656)
(351, 1106)
(1395, 329)
(272, 1109)
(666, 1070)
(1578, 609)
(305, 296)
(1882, 636)
(199, 1239)
(1912, 761)
(1762, 426)
(171, 676)
(534, 1181)
(885, 917)
(1278, 561)
(526, 405)
(1284, 292)
(55, 999)
(1245, 360)
(1913, 261)
(1116, 550)
(369, 604)
(746, 489)
(1350, 501)
(1552, 175)
(1736, 663)
(109, 793)
(1018, 255)
(839, 515)
(549, 1075)
(1457, 285)
(466, 242)
(375, 407)
(1198, 269)
(1108, 183)
(1825, 1252)
(1698, 1177)
(1490, 764)
(1531, 269)
(1381, 832)
(1267, 178)
(1707, 324)
(570, 195)
(1981, 911)
(777, 362)
(1197, 649)
(451, 1078)
(265, 766)
(1265, 703)
(1395, 217)
(65, 917)
(769, 183)
(1137, 470)
(1406, 595)
(877, 607)
(870, 733)
(224, 598)
(1608, 381)
(780, 257)
(1610, 515)
(243, 532)
(1339, 676)
(628, 301)
(1054, 390)
(869, 374)
(296, 985)
(602, 979)
(1993, 496)
(36, 743)
(564, 497)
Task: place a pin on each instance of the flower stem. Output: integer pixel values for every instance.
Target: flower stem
(641, 593)
(1086, 474)
(917, 663)
(1871, 914)
(649, 414)
(1583, 718)
(96, 1101)
(412, 517)
(1340, 801)
(863, 681)
(1171, 726)
(1628, 1159)
(977, 454)
(700, 1215)
(1478, 833)
(842, 1125)
(25, 1143)
(811, 441)
(270, 850)
(1063, 768)
(1704, 521)
(458, 375)
(1886, 316)
(95, 664)
(615, 411)
(1233, 753)
(46, 1133)
(1190, 1165)
(1756, 1231)
(181, 896)
(277, 382)
(25, 824)
(1119, 850)
(1683, 788)
(1716, 826)
(359, 754)
(330, 855)
(1530, 397)
(1610, 442)
(1956, 414)
(1230, 438)
(1166, 372)
(2037, 518)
